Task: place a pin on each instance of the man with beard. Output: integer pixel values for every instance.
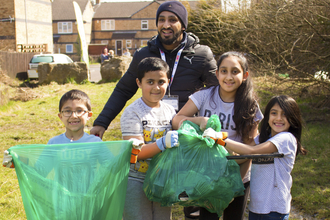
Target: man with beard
(192, 66)
(195, 66)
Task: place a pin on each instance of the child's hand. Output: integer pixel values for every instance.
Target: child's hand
(7, 160)
(180, 123)
(219, 137)
(203, 123)
(171, 139)
(137, 145)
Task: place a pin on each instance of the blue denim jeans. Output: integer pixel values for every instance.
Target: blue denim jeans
(269, 216)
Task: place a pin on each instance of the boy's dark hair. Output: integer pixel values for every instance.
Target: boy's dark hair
(75, 94)
(292, 114)
(245, 104)
(152, 64)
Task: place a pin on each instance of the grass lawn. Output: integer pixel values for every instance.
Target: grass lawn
(32, 119)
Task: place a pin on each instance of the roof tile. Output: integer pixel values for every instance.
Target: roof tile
(64, 10)
(119, 9)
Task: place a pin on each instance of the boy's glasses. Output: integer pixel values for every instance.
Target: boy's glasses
(68, 113)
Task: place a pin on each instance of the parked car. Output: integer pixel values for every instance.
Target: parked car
(45, 58)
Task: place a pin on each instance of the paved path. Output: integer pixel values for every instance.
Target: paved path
(95, 73)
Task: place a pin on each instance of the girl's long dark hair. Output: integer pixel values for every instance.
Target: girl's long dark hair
(292, 114)
(245, 104)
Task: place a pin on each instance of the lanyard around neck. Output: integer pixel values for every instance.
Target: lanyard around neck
(176, 63)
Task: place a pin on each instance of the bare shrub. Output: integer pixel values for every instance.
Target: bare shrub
(279, 36)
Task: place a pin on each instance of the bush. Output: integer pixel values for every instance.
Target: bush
(278, 36)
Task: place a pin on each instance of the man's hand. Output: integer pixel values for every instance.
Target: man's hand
(97, 131)
(171, 139)
(219, 137)
(7, 160)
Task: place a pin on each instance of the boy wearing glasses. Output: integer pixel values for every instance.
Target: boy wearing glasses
(75, 110)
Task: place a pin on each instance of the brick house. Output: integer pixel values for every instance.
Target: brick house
(119, 25)
(26, 26)
(65, 32)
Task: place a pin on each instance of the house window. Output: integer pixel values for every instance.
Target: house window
(128, 43)
(107, 25)
(144, 43)
(104, 42)
(144, 25)
(69, 48)
(64, 27)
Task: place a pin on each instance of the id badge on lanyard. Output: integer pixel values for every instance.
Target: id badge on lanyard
(172, 100)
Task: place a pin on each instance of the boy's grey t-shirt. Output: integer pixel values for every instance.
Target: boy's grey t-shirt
(138, 119)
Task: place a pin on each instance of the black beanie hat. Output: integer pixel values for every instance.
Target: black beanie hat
(175, 7)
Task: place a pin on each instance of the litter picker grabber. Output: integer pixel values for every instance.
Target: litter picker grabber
(255, 156)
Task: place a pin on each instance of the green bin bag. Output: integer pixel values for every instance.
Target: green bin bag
(198, 167)
(78, 181)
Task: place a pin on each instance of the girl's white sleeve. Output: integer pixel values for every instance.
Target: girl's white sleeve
(198, 98)
(286, 144)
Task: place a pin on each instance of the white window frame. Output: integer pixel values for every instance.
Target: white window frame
(66, 48)
(143, 23)
(105, 42)
(64, 27)
(128, 43)
(107, 25)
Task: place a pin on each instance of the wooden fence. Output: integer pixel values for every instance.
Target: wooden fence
(14, 64)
